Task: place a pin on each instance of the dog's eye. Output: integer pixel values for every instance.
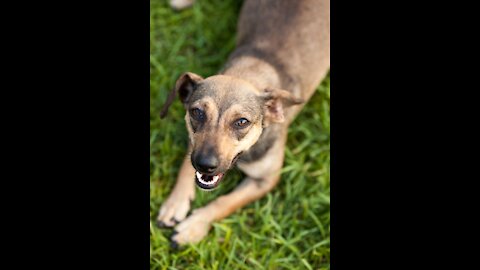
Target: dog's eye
(241, 123)
(197, 114)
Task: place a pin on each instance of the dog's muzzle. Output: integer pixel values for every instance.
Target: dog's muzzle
(209, 181)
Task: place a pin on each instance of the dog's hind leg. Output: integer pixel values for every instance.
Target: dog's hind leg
(177, 205)
(197, 225)
(181, 4)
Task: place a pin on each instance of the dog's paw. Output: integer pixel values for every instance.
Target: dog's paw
(174, 210)
(193, 229)
(181, 4)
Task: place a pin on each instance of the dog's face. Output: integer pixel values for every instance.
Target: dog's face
(225, 116)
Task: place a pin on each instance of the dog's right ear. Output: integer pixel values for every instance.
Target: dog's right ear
(185, 85)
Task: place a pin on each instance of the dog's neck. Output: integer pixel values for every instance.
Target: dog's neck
(254, 70)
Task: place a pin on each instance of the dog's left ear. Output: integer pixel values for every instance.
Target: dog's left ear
(184, 86)
(275, 101)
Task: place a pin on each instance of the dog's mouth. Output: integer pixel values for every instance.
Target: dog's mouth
(208, 182)
(211, 181)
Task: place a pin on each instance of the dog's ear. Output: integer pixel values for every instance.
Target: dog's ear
(184, 86)
(275, 100)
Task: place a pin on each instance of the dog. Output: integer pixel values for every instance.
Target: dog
(240, 116)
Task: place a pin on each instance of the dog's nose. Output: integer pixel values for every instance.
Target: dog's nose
(207, 164)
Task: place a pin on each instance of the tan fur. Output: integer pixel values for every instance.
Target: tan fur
(228, 147)
(177, 205)
(282, 46)
(238, 146)
(208, 105)
(268, 165)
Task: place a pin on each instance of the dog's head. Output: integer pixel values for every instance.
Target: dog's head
(225, 117)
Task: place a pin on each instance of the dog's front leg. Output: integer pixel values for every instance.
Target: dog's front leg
(197, 225)
(176, 207)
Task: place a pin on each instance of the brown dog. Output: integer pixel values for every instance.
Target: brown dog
(240, 117)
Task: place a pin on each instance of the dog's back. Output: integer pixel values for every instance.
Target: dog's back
(293, 36)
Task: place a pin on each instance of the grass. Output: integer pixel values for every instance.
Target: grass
(287, 229)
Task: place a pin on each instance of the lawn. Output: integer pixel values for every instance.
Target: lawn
(287, 229)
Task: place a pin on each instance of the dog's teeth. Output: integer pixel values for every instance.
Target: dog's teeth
(200, 179)
(213, 181)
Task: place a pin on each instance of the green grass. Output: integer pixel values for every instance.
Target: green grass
(287, 229)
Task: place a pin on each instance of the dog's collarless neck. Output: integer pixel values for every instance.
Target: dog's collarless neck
(260, 148)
